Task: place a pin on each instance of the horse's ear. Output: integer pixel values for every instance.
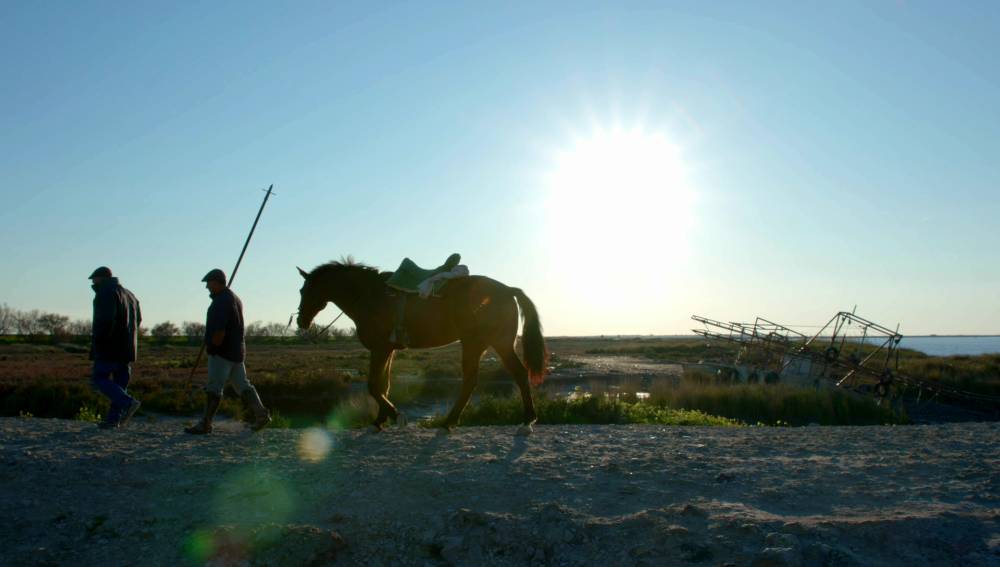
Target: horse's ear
(304, 273)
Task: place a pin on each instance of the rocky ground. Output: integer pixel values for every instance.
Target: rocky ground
(566, 495)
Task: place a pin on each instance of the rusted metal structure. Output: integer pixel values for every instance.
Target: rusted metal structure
(764, 345)
(849, 351)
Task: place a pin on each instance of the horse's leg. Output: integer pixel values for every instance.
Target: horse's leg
(394, 412)
(470, 375)
(378, 386)
(516, 368)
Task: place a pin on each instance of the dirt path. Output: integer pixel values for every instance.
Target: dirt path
(567, 495)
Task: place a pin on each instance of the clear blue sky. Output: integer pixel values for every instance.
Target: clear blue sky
(834, 154)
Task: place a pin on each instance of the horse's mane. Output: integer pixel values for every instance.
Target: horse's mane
(347, 263)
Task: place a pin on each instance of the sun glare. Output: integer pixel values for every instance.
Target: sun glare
(618, 204)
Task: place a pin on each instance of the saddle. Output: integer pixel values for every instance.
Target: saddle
(411, 278)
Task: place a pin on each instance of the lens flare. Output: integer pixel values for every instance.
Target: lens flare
(199, 546)
(314, 445)
(254, 497)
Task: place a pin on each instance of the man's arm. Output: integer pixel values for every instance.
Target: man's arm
(105, 309)
(218, 337)
(218, 318)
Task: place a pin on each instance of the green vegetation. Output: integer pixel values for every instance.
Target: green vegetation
(668, 350)
(980, 374)
(314, 383)
(778, 404)
(694, 403)
(592, 410)
(88, 413)
(73, 399)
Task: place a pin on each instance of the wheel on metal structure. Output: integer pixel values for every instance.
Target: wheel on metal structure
(831, 354)
(882, 388)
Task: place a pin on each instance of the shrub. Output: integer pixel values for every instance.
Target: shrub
(492, 410)
(163, 331)
(88, 413)
(770, 404)
(449, 368)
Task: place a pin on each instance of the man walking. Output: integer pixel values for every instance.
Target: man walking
(226, 354)
(114, 343)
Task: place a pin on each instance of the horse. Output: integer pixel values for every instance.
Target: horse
(480, 312)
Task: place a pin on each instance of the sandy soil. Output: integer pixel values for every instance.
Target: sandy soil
(566, 495)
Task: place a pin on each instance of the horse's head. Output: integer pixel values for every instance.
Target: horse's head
(353, 287)
(311, 301)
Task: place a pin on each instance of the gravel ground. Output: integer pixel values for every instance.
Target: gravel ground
(565, 495)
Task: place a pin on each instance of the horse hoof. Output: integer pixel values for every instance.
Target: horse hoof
(525, 430)
(374, 429)
(444, 430)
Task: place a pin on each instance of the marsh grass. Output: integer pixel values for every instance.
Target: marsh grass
(309, 383)
(311, 395)
(697, 400)
(493, 410)
(980, 374)
(668, 350)
(778, 404)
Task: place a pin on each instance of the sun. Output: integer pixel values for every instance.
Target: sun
(618, 208)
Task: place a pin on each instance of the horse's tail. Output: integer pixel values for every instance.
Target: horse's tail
(536, 356)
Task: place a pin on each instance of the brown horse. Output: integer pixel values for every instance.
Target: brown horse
(476, 310)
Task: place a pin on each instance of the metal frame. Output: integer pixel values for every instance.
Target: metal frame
(875, 370)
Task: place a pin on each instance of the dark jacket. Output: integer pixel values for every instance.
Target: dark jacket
(115, 333)
(226, 314)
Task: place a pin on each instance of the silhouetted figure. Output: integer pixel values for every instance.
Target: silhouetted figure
(114, 343)
(226, 347)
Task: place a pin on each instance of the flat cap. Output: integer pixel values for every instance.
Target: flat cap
(102, 272)
(215, 275)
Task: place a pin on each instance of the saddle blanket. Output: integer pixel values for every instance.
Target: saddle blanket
(411, 278)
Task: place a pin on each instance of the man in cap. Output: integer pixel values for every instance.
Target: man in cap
(114, 343)
(226, 354)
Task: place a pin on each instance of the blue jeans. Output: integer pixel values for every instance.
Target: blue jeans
(111, 379)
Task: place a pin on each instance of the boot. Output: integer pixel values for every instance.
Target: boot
(204, 426)
(246, 411)
(261, 417)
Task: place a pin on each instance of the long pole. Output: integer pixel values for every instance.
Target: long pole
(232, 277)
(249, 236)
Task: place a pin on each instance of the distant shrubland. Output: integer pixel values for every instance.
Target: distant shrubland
(35, 326)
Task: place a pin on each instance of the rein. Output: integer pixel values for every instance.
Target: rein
(332, 322)
(324, 328)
